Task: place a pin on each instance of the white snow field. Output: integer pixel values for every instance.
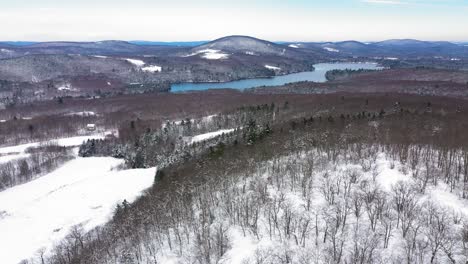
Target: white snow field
(136, 62)
(9, 157)
(206, 136)
(331, 49)
(272, 67)
(82, 113)
(210, 54)
(64, 142)
(85, 191)
(152, 68)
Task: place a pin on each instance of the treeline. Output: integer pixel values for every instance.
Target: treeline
(172, 144)
(334, 75)
(40, 161)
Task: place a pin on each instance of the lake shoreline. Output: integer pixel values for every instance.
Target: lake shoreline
(318, 75)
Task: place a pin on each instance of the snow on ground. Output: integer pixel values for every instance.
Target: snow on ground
(65, 142)
(4, 158)
(82, 113)
(84, 191)
(330, 49)
(208, 118)
(454, 59)
(6, 51)
(390, 58)
(296, 46)
(387, 176)
(152, 68)
(136, 62)
(215, 55)
(2, 121)
(99, 56)
(209, 135)
(66, 87)
(240, 247)
(442, 195)
(272, 67)
(250, 53)
(210, 54)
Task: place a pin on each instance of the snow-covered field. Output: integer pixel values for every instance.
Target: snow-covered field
(84, 191)
(330, 49)
(210, 54)
(66, 87)
(272, 67)
(152, 68)
(38, 214)
(64, 142)
(210, 135)
(82, 113)
(136, 62)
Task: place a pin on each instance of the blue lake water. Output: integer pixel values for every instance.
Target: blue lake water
(315, 76)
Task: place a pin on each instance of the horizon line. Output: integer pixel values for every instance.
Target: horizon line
(274, 41)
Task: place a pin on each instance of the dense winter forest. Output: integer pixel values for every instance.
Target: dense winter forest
(385, 183)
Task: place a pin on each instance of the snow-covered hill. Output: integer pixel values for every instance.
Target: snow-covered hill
(36, 215)
(245, 44)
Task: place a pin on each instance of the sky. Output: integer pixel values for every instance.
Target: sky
(275, 20)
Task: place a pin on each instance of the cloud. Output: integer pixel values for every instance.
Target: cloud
(385, 2)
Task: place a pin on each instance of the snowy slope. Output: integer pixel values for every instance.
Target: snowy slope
(209, 135)
(64, 142)
(84, 191)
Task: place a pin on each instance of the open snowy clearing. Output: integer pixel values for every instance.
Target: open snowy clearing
(64, 142)
(210, 135)
(136, 62)
(9, 157)
(210, 54)
(12, 153)
(84, 191)
(330, 49)
(152, 68)
(272, 67)
(66, 87)
(82, 113)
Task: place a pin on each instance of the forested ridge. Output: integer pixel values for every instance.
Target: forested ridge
(383, 185)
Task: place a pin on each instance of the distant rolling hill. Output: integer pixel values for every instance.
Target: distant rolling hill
(243, 44)
(394, 47)
(169, 43)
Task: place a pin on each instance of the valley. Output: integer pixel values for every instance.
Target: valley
(236, 150)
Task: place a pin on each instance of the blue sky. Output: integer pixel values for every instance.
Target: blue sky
(184, 20)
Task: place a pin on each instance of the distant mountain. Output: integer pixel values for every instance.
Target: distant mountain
(18, 43)
(108, 47)
(412, 43)
(245, 44)
(391, 48)
(174, 43)
(107, 44)
(402, 43)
